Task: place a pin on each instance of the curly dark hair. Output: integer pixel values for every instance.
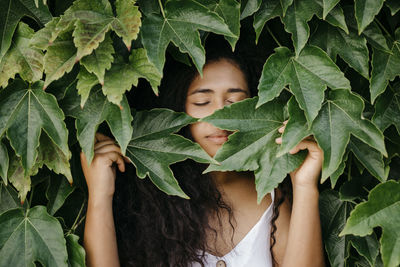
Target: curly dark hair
(155, 229)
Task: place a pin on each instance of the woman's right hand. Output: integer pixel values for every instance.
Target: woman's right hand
(100, 174)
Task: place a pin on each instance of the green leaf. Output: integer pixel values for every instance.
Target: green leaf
(385, 67)
(365, 11)
(351, 47)
(301, 12)
(334, 213)
(308, 76)
(60, 58)
(369, 158)
(296, 128)
(372, 32)
(382, 209)
(94, 18)
(387, 110)
(268, 10)
(46, 35)
(76, 253)
(229, 10)
(154, 147)
(394, 6)
(249, 8)
(21, 58)
(53, 157)
(97, 110)
(18, 179)
(57, 192)
(100, 60)
(29, 236)
(183, 19)
(4, 161)
(340, 116)
(253, 147)
(128, 21)
(122, 76)
(328, 6)
(8, 198)
(24, 112)
(11, 13)
(85, 83)
(143, 68)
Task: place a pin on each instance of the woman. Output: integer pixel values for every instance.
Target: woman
(222, 224)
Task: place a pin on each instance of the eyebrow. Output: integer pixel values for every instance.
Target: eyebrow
(210, 91)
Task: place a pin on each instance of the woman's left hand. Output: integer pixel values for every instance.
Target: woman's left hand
(307, 174)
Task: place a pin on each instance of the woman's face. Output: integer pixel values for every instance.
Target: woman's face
(223, 83)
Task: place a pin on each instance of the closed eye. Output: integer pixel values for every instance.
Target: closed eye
(202, 104)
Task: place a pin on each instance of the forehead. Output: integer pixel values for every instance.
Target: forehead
(219, 75)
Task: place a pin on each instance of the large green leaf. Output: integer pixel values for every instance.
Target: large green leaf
(229, 10)
(365, 11)
(98, 110)
(340, 116)
(4, 161)
(57, 192)
(8, 198)
(21, 58)
(29, 236)
(24, 112)
(46, 35)
(308, 76)
(253, 147)
(179, 24)
(382, 209)
(387, 109)
(334, 214)
(94, 18)
(10, 14)
(76, 253)
(301, 12)
(154, 147)
(122, 76)
(100, 60)
(351, 47)
(18, 179)
(385, 67)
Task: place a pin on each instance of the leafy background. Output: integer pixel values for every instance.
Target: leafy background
(68, 68)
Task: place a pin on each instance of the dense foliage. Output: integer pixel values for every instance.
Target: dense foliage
(67, 67)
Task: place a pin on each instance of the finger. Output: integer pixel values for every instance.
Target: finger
(113, 157)
(104, 143)
(305, 144)
(100, 137)
(108, 148)
(83, 159)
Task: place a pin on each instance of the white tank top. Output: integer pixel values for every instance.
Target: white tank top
(253, 250)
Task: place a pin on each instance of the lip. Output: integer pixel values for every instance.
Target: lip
(218, 138)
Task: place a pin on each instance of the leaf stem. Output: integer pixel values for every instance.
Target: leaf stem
(162, 9)
(273, 36)
(349, 168)
(383, 28)
(74, 225)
